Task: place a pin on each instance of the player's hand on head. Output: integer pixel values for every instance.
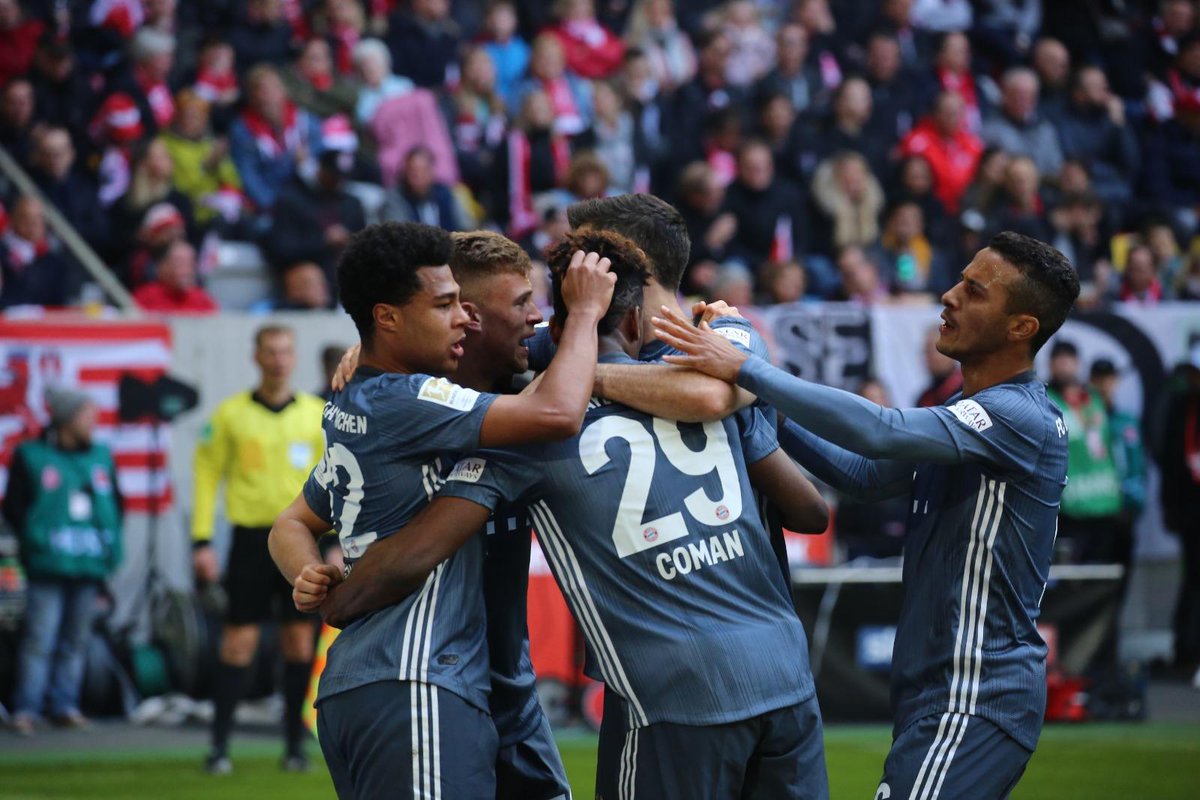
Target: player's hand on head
(345, 368)
(587, 286)
(707, 312)
(702, 348)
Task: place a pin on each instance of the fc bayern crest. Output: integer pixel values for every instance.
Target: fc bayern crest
(51, 478)
(722, 513)
(650, 534)
(100, 480)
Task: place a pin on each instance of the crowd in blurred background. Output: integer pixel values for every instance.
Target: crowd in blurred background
(854, 150)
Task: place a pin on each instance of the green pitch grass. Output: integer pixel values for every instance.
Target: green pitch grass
(1154, 761)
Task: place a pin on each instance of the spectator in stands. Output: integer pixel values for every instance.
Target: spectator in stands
(945, 377)
(952, 73)
(152, 53)
(781, 282)
(850, 127)
(476, 115)
(780, 128)
(1089, 525)
(896, 95)
(592, 50)
(313, 84)
(1080, 234)
(69, 189)
(536, 162)
(1092, 128)
(508, 51)
(174, 289)
(752, 48)
(377, 82)
(570, 97)
(710, 225)
(915, 182)
(305, 288)
(69, 531)
(613, 138)
(271, 139)
(1022, 208)
(916, 45)
(1018, 127)
(1179, 459)
(1140, 282)
(708, 93)
(1128, 452)
(1051, 61)
(985, 192)
(316, 216)
(587, 178)
(848, 203)
(151, 183)
(419, 197)
(217, 80)
(114, 130)
(654, 30)
(18, 38)
(733, 285)
(771, 213)
(942, 16)
(1169, 260)
(793, 75)
(343, 24)
(60, 86)
(1172, 164)
(161, 227)
(424, 43)
(1005, 29)
(202, 170)
(16, 119)
(908, 263)
(859, 280)
(1175, 21)
(31, 271)
(262, 35)
(650, 109)
(946, 142)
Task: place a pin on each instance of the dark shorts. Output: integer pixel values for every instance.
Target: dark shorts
(778, 755)
(532, 769)
(400, 740)
(256, 590)
(951, 756)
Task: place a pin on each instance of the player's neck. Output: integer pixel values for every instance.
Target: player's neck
(274, 394)
(654, 297)
(995, 368)
(476, 374)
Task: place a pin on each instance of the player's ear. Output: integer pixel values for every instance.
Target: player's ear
(387, 317)
(473, 314)
(1023, 327)
(631, 326)
(555, 329)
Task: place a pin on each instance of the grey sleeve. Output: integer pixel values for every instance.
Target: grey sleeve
(864, 479)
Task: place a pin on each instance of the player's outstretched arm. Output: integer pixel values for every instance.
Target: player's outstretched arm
(801, 505)
(555, 409)
(863, 479)
(293, 546)
(396, 566)
(670, 392)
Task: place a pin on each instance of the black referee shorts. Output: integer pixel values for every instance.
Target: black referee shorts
(256, 590)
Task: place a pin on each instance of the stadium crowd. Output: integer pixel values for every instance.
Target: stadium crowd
(858, 150)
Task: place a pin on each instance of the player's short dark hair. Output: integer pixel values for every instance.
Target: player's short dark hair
(651, 223)
(629, 264)
(380, 266)
(1048, 286)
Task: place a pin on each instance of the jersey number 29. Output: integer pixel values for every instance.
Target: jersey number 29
(632, 533)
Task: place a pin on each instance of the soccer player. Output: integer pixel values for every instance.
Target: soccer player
(410, 682)
(986, 475)
(652, 534)
(261, 444)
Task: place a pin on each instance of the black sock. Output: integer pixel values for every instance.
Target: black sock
(231, 685)
(295, 686)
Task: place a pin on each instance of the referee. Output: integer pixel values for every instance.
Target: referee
(261, 444)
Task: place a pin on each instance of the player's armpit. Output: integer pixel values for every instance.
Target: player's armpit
(394, 567)
(802, 508)
(293, 538)
(670, 392)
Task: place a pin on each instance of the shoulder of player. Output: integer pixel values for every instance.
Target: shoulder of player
(1022, 405)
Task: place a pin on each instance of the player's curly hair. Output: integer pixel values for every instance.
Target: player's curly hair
(380, 266)
(629, 264)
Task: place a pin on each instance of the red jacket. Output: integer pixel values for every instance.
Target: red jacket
(953, 160)
(156, 296)
(592, 50)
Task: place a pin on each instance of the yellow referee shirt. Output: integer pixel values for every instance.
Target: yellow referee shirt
(262, 455)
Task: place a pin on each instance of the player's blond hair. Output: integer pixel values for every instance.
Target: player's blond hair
(476, 255)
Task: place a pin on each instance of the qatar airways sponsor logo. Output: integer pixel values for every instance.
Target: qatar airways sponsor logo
(695, 556)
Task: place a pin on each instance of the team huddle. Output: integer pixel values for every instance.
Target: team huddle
(655, 456)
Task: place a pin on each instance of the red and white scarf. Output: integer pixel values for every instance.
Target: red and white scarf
(275, 142)
(567, 119)
(158, 95)
(522, 218)
(22, 252)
